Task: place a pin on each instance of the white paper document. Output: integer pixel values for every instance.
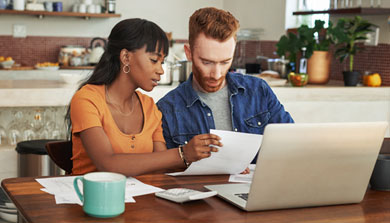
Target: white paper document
(243, 178)
(233, 157)
(64, 193)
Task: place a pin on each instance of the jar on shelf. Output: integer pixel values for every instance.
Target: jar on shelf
(110, 6)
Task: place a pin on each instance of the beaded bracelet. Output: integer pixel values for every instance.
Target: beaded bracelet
(181, 153)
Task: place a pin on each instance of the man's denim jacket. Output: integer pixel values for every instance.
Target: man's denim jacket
(253, 106)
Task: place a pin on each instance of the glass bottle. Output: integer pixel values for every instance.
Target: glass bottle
(303, 62)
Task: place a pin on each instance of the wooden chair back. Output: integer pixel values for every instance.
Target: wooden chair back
(61, 153)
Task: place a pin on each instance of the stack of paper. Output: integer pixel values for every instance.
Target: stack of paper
(64, 193)
(8, 210)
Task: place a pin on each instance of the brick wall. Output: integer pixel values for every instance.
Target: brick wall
(372, 58)
(31, 50)
(34, 49)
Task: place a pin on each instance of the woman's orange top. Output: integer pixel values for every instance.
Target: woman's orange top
(88, 108)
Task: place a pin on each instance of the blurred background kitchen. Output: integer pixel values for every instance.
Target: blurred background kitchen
(47, 47)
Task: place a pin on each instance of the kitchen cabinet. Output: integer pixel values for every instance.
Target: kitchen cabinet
(352, 11)
(42, 14)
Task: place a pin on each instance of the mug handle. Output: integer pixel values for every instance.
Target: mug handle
(76, 187)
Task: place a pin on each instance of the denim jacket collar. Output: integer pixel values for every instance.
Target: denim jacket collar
(191, 95)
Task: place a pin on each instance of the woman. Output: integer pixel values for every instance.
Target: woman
(116, 128)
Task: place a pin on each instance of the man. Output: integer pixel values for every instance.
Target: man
(212, 97)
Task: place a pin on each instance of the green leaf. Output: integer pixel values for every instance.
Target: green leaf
(346, 33)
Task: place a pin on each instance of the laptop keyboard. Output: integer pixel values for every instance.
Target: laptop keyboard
(243, 196)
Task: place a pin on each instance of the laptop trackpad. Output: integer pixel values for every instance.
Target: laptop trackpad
(232, 192)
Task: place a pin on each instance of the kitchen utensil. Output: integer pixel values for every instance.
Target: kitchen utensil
(71, 51)
(70, 78)
(279, 65)
(19, 5)
(103, 193)
(97, 49)
(3, 4)
(7, 64)
(110, 6)
(57, 6)
(48, 6)
(185, 69)
(252, 68)
(75, 7)
(98, 8)
(91, 9)
(166, 78)
(82, 8)
(298, 80)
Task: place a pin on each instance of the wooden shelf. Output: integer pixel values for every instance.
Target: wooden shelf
(42, 14)
(361, 11)
(77, 67)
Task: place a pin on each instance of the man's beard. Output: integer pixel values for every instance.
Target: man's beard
(202, 81)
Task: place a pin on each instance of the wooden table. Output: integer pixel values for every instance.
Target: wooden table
(38, 206)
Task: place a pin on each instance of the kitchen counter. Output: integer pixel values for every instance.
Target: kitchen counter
(312, 103)
(309, 104)
(57, 93)
(45, 88)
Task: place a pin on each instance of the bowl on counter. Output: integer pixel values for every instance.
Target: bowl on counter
(7, 64)
(70, 78)
(298, 80)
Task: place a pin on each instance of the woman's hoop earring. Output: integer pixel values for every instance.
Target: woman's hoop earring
(126, 69)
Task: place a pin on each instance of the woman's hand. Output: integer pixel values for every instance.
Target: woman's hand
(200, 147)
(246, 171)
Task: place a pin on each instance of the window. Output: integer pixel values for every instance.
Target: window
(305, 5)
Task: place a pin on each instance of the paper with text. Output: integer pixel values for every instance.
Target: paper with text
(233, 157)
(64, 193)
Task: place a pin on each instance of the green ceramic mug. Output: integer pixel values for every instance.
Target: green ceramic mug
(103, 193)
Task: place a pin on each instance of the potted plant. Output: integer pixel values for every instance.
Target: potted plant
(348, 32)
(287, 47)
(317, 41)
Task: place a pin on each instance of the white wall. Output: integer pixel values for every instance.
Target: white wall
(265, 14)
(171, 15)
(380, 20)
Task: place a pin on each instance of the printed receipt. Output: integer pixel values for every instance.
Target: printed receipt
(64, 193)
(233, 157)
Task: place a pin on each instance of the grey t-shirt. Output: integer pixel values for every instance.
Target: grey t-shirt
(219, 104)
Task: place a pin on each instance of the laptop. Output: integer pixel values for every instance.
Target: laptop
(305, 165)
